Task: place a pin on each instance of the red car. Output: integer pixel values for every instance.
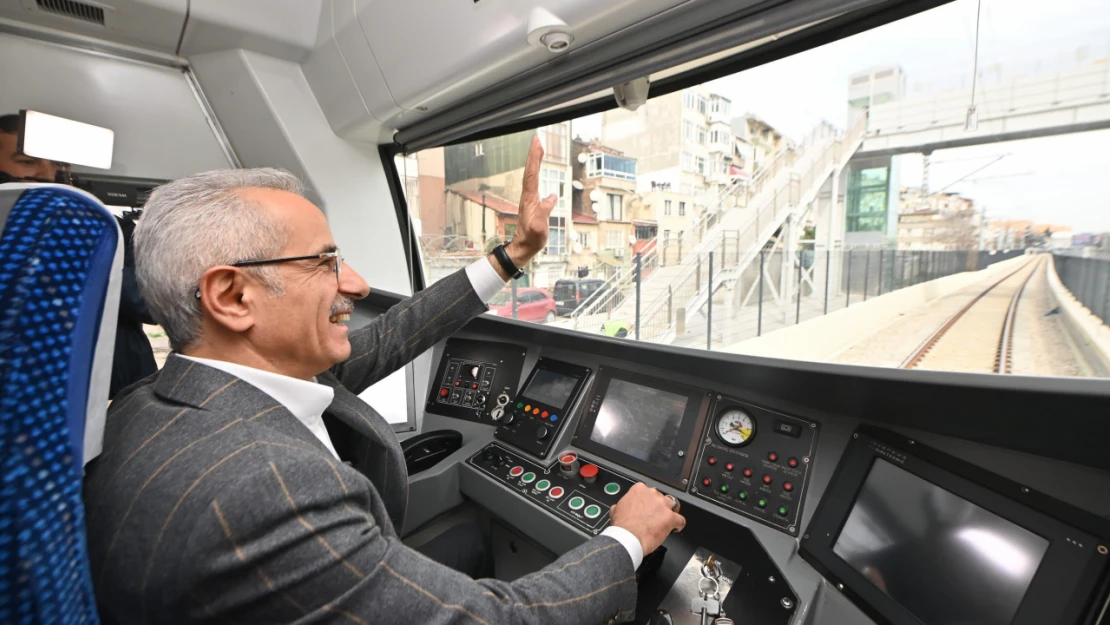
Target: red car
(532, 304)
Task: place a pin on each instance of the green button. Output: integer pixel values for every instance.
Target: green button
(543, 485)
(743, 496)
(724, 488)
(528, 478)
(592, 512)
(576, 503)
(782, 510)
(520, 404)
(612, 488)
(762, 503)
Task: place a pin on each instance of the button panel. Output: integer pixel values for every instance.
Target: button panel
(532, 424)
(475, 380)
(582, 502)
(765, 478)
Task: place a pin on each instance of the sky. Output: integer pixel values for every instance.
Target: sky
(1059, 180)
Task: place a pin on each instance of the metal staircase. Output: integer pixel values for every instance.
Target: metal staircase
(787, 188)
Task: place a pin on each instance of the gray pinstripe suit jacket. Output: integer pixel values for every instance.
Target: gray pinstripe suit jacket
(211, 503)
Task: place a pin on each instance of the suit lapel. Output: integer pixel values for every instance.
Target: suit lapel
(380, 457)
(197, 385)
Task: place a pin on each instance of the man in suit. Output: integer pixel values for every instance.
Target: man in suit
(224, 492)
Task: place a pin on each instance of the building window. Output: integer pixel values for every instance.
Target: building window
(620, 167)
(645, 233)
(613, 240)
(553, 275)
(615, 208)
(701, 135)
(699, 163)
(666, 236)
(479, 149)
(688, 130)
(690, 100)
(510, 231)
(555, 142)
(557, 238)
(686, 161)
(703, 105)
(666, 207)
(584, 240)
(682, 209)
(554, 180)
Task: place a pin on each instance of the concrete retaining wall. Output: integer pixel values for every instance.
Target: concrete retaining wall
(1089, 333)
(822, 338)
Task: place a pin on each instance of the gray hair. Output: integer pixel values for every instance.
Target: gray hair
(195, 223)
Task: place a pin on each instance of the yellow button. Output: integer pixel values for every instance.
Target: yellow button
(528, 408)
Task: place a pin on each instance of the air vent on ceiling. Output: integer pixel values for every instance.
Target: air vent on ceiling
(76, 10)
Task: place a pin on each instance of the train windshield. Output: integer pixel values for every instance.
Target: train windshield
(924, 195)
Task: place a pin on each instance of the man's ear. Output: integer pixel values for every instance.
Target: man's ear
(223, 298)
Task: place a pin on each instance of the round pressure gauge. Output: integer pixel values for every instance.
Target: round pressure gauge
(735, 427)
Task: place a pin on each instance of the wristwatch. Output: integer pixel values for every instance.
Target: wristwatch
(507, 263)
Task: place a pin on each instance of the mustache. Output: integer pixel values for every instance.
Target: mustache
(342, 305)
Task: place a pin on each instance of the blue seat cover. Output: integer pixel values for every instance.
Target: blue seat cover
(56, 254)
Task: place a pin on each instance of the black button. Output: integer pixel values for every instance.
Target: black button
(789, 429)
(541, 432)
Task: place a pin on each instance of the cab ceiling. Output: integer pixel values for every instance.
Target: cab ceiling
(376, 66)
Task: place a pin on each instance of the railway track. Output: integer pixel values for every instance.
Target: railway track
(979, 337)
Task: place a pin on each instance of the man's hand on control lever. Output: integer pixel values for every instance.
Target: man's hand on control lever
(647, 513)
(532, 219)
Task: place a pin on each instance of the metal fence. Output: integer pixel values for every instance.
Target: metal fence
(781, 288)
(1088, 279)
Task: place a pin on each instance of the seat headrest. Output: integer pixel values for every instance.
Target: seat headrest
(50, 219)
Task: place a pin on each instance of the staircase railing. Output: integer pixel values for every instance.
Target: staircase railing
(772, 203)
(614, 290)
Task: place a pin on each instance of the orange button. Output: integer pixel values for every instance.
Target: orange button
(535, 411)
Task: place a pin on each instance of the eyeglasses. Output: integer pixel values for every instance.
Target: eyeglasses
(288, 259)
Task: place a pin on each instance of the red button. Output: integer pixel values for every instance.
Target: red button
(773, 457)
(473, 386)
(516, 471)
(712, 460)
(787, 486)
(457, 383)
(793, 462)
(747, 472)
(556, 492)
(766, 479)
(728, 467)
(588, 471)
(443, 392)
(706, 482)
(544, 414)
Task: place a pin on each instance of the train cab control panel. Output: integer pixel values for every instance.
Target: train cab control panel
(532, 420)
(575, 489)
(474, 379)
(755, 462)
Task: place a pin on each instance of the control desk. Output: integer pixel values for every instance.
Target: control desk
(902, 532)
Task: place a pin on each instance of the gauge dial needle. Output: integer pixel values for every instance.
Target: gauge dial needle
(745, 432)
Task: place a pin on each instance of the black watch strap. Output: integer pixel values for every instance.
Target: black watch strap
(507, 263)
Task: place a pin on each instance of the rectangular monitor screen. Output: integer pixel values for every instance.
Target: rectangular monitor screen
(944, 559)
(640, 421)
(551, 388)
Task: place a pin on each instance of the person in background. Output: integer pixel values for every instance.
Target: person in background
(133, 358)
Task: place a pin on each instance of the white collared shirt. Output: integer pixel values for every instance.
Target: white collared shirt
(307, 401)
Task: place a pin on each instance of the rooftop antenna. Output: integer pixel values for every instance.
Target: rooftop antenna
(971, 124)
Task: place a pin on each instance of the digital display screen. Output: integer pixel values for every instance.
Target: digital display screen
(944, 559)
(551, 388)
(640, 421)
